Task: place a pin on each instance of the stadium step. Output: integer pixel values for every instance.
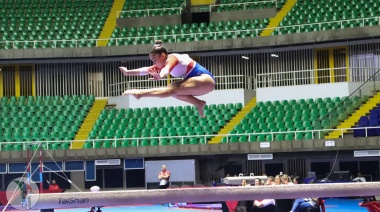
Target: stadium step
(88, 123)
(234, 121)
(275, 21)
(110, 23)
(353, 119)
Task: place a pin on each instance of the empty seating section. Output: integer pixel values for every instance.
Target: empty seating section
(373, 120)
(77, 23)
(235, 5)
(142, 123)
(48, 118)
(188, 32)
(289, 116)
(317, 14)
(143, 8)
(23, 21)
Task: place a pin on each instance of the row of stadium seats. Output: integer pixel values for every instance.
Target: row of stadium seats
(316, 13)
(154, 122)
(19, 147)
(151, 4)
(70, 24)
(190, 28)
(373, 120)
(54, 20)
(244, 6)
(142, 142)
(13, 102)
(152, 8)
(49, 118)
(144, 13)
(169, 7)
(144, 126)
(289, 116)
(186, 32)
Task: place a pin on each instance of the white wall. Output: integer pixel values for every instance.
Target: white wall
(305, 91)
(368, 89)
(263, 94)
(119, 101)
(215, 97)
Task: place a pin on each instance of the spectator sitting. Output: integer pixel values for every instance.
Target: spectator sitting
(284, 205)
(277, 180)
(359, 178)
(53, 186)
(265, 205)
(304, 204)
(244, 183)
(296, 180)
(285, 180)
(270, 181)
(257, 182)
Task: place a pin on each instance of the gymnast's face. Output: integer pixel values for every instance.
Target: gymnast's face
(158, 59)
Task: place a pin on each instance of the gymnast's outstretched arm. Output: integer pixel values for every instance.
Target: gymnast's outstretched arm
(135, 72)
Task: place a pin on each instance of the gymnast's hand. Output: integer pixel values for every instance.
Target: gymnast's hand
(155, 73)
(124, 70)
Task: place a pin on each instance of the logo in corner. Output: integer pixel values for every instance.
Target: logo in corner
(18, 190)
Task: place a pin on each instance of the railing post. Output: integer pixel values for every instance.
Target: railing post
(366, 131)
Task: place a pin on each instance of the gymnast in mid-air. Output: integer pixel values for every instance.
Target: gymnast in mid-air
(197, 80)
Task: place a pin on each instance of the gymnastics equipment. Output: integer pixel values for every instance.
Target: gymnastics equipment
(208, 194)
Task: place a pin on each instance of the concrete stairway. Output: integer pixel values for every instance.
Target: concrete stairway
(88, 123)
(234, 121)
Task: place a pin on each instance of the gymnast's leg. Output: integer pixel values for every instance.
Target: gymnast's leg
(184, 90)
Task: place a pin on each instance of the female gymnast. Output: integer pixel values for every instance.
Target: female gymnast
(196, 81)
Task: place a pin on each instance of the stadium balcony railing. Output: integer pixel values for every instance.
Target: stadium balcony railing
(172, 140)
(315, 76)
(226, 5)
(154, 10)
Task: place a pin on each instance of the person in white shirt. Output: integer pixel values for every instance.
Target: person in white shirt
(264, 205)
(197, 80)
(360, 178)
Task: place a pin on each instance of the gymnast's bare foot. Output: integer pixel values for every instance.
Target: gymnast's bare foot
(134, 92)
(201, 108)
